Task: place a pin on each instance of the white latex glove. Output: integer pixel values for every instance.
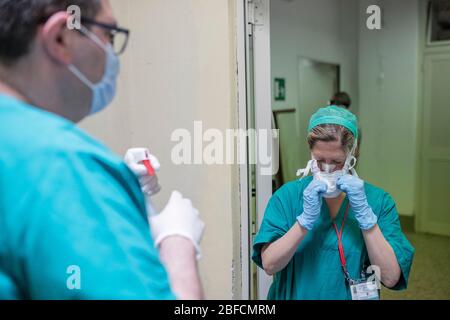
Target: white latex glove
(179, 217)
(149, 184)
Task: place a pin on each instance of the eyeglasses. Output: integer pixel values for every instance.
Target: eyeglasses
(118, 37)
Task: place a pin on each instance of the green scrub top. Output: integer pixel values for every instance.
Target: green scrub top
(315, 270)
(66, 200)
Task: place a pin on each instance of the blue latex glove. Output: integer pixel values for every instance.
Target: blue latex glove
(312, 203)
(354, 188)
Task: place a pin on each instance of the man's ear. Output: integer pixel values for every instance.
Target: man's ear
(55, 37)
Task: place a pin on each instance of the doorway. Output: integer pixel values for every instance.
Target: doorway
(317, 82)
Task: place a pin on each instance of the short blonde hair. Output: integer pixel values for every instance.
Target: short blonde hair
(333, 132)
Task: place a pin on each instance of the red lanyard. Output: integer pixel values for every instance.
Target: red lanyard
(340, 247)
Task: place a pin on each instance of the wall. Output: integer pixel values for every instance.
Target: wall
(323, 30)
(180, 67)
(389, 86)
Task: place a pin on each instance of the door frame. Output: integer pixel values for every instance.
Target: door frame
(300, 114)
(255, 112)
(242, 85)
(263, 115)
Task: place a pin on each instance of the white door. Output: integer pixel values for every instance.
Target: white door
(434, 209)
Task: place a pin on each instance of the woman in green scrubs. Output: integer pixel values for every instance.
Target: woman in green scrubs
(330, 235)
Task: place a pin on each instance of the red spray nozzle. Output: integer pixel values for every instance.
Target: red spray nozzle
(149, 167)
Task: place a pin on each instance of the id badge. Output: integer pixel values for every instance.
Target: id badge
(366, 290)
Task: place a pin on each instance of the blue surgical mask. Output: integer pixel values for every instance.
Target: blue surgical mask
(104, 91)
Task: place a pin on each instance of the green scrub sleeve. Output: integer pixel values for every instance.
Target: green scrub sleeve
(86, 235)
(389, 224)
(274, 224)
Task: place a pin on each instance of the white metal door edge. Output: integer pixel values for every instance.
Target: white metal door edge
(255, 12)
(243, 170)
(263, 110)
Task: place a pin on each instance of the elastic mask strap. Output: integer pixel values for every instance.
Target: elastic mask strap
(350, 162)
(304, 172)
(353, 160)
(93, 37)
(75, 70)
(353, 171)
(352, 151)
(81, 76)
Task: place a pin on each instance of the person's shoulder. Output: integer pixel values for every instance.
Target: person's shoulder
(39, 147)
(378, 197)
(28, 133)
(374, 190)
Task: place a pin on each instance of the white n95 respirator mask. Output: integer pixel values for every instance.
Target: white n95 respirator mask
(328, 174)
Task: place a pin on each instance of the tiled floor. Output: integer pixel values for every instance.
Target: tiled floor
(430, 272)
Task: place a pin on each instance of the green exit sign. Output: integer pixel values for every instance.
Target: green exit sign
(280, 89)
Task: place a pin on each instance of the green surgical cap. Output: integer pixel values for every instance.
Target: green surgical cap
(335, 115)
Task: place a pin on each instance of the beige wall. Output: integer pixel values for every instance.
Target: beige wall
(179, 67)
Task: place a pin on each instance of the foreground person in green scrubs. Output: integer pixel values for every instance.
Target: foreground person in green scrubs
(332, 235)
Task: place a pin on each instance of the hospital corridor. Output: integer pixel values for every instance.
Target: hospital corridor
(225, 150)
(428, 280)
